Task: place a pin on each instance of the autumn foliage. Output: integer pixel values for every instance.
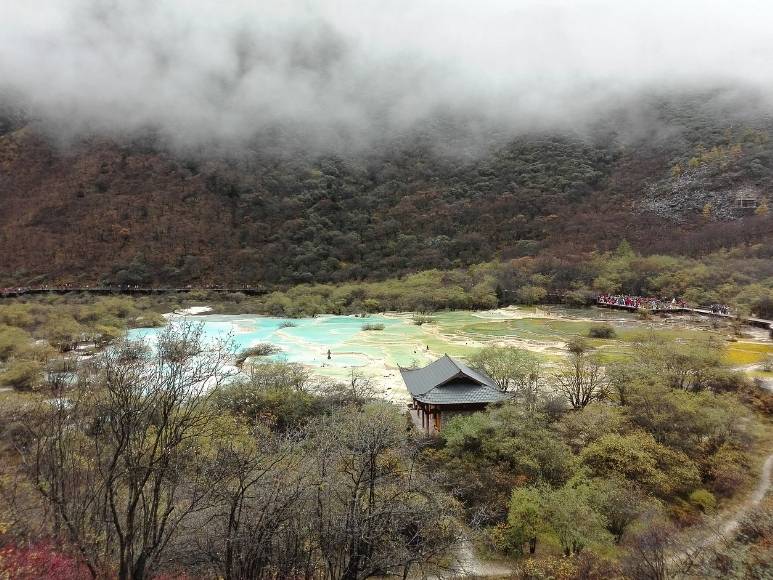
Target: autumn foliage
(133, 212)
(39, 561)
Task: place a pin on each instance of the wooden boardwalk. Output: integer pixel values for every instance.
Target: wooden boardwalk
(758, 322)
(131, 290)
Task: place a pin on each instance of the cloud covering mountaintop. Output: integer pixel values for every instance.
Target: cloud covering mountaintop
(352, 71)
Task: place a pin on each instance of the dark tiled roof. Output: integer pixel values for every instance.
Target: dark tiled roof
(449, 381)
(460, 394)
(478, 377)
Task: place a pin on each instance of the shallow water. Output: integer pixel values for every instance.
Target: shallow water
(379, 353)
(309, 340)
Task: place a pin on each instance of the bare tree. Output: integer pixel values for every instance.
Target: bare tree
(138, 467)
(118, 459)
(343, 500)
(648, 550)
(372, 511)
(268, 375)
(257, 527)
(511, 368)
(581, 379)
(358, 390)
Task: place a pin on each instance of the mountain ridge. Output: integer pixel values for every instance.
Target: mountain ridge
(131, 211)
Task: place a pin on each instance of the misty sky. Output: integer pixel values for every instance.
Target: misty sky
(228, 69)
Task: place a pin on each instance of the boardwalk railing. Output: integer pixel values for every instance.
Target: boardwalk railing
(137, 290)
(758, 322)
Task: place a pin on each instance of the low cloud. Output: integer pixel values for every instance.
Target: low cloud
(353, 72)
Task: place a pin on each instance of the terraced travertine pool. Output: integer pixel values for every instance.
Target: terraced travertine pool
(379, 353)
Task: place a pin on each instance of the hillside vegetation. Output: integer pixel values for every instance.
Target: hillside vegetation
(742, 278)
(131, 212)
(163, 463)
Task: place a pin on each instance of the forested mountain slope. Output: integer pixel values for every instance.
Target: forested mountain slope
(666, 178)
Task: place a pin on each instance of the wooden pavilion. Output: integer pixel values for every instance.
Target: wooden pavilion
(448, 387)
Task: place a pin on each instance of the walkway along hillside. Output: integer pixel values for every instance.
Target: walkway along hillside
(14, 292)
(758, 322)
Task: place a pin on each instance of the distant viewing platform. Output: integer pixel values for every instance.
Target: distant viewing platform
(676, 306)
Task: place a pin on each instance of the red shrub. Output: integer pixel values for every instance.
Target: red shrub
(39, 562)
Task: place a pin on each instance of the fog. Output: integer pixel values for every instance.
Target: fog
(333, 72)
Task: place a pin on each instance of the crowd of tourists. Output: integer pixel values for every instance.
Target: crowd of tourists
(643, 302)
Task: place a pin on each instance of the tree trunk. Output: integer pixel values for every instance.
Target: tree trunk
(139, 567)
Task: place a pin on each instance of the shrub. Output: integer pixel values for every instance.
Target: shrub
(149, 319)
(637, 456)
(11, 341)
(21, 437)
(704, 500)
(683, 513)
(262, 349)
(62, 364)
(21, 375)
(582, 297)
(601, 330)
(588, 425)
(237, 297)
(577, 345)
(725, 381)
(274, 405)
(763, 306)
(530, 294)
(287, 324)
(550, 567)
(419, 319)
(373, 326)
(728, 469)
(62, 331)
(39, 561)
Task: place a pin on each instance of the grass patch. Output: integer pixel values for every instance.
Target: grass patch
(747, 353)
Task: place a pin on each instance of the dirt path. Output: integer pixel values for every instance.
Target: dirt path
(726, 524)
(731, 523)
(468, 565)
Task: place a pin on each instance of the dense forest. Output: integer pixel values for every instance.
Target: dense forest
(665, 174)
